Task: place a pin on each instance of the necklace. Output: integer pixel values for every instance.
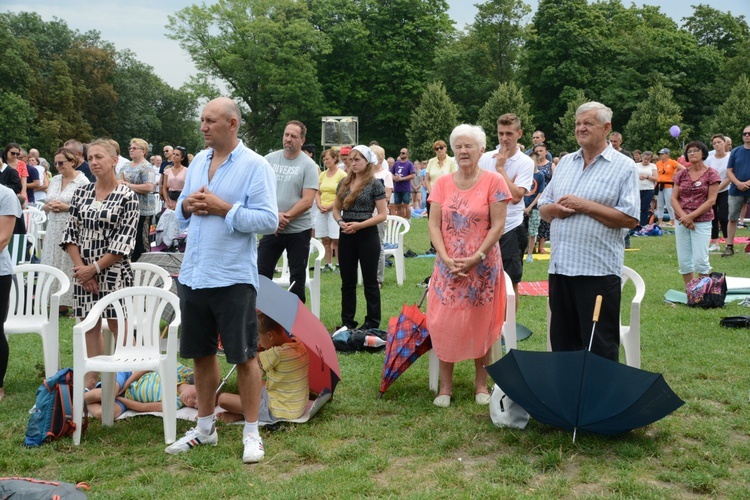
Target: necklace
(472, 181)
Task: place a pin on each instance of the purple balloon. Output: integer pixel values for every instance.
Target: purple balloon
(674, 131)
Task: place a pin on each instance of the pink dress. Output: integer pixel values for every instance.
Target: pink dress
(465, 315)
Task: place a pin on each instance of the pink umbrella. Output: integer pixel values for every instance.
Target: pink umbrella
(286, 309)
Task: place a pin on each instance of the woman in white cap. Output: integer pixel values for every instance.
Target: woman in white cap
(359, 207)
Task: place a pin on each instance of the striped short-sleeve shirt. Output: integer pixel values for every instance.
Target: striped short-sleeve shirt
(287, 384)
(581, 245)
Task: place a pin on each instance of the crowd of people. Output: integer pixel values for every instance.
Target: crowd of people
(489, 210)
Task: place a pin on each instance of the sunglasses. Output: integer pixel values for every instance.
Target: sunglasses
(60, 163)
(743, 133)
(14, 153)
(439, 148)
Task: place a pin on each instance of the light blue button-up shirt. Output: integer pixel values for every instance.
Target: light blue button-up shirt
(223, 251)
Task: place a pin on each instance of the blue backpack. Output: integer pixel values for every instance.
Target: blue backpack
(52, 415)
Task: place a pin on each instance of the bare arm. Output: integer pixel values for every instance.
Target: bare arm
(139, 407)
(498, 211)
(7, 223)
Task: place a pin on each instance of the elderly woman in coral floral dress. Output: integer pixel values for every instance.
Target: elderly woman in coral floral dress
(466, 305)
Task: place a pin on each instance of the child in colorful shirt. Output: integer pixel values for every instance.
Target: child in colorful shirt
(141, 392)
(285, 363)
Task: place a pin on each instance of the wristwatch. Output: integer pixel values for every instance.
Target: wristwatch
(482, 255)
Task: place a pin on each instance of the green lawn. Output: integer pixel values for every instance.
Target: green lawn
(401, 445)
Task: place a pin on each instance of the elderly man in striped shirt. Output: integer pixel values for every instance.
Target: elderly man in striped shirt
(591, 202)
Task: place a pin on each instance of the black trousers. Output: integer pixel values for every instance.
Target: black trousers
(297, 246)
(721, 215)
(572, 300)
(142, 243)
(5, 283)
(646, 196)
(361, 249)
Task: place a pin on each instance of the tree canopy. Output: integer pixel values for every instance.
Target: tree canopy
(376, 59)
(60, 84)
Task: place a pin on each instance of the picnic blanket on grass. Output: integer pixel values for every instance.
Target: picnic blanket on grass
(186, 413)
(534, 288)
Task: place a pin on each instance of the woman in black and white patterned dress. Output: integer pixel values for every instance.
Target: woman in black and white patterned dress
(99, 237)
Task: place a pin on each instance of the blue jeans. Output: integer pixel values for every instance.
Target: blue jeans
(692, 248)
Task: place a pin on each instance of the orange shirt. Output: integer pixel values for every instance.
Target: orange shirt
(666, 170)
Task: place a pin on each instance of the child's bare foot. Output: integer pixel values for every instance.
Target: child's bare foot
(229, 418)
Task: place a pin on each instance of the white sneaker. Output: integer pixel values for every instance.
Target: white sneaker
(253, 452)
(714, 247)
(190, 440)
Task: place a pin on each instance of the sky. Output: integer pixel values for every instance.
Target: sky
(140, 25)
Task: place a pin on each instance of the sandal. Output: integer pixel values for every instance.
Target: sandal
(443, 401)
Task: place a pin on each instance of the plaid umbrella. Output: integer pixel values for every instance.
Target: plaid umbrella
(408, 339)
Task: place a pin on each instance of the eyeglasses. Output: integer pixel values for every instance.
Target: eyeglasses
(691, 151)
(131, 148)
(60, 163)
(14, 153)
(439, 148)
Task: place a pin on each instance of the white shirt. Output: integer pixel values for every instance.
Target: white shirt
(42, 195)
(720, 165)
(520, 170)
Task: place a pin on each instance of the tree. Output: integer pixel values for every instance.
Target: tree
(266, 52)
(507, 98)
(649, 126)
(733, 115)
(460, 65)
(433, 119)
(566, 48)
(498, 24)
(565, 128)
(381, 60)
(718, 29)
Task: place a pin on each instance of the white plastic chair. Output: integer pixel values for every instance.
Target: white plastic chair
(145, 274)
(20, 247)
(34, 308)
(35, 221)
(395, 229)
(313, 277)
(132, 352)
(630, 335)
(496, 351)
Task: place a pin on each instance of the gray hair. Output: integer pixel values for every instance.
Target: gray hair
(474, 132)
(604, 114)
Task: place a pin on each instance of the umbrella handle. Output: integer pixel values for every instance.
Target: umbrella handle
(595, 319)
(597, 308)
(424, 296)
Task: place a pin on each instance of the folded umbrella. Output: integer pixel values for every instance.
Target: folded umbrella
(407, 340)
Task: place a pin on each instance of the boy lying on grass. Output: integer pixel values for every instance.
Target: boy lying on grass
(284, 362)
(141, 392)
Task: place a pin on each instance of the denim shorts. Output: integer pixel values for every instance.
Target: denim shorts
(404, 198)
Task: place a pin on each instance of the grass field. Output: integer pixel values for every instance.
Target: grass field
(403, 446)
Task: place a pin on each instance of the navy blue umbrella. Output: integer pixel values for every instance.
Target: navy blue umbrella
(581, 390)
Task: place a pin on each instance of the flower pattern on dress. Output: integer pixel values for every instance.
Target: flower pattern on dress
(467, 228)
